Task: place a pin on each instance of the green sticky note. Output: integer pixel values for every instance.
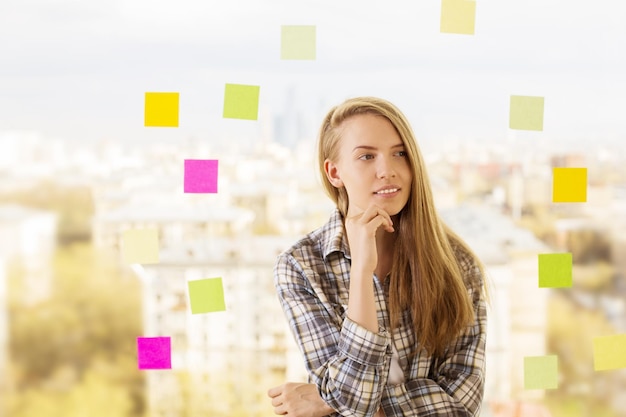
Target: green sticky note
(541, 372)
(241, 101)
(526, 113)
(140, 246)
(297, 42)
(161, 110)
(206, 295)
(458, 16)
(555, 270)
(609, 352)
(569, 185)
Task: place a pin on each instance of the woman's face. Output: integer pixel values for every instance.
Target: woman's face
(372, 164)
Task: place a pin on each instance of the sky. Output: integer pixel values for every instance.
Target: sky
(79, 69)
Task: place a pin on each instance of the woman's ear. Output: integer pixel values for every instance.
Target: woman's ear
(332, 173)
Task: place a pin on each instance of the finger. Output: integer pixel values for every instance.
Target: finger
(275, 391)
(278, 400)
(280, 410)
(374, 212)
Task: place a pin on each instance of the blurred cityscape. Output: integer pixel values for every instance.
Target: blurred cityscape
(70, 309)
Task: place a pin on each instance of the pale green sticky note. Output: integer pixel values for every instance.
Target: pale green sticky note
(206, 295)
(541, 372)
(526, 113)
(569, 185)
(609, 352)
(140, 246)
(458, 16)
(555, 270)
(241, 101)
(298, 42)
(161, 110)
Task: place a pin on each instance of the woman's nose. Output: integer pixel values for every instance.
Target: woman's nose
(385, 168)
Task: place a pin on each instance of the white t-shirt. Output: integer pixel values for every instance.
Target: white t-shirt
(396, 375)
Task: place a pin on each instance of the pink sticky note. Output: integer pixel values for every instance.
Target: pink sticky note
(154, 352)
(200, 175)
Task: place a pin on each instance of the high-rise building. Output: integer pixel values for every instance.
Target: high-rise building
(28, 239)
(4, 337)
(223, 363)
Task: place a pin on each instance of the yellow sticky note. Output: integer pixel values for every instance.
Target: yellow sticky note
(140, 246)
(609, 352)
(526, 113)
(555, 270)
(206, 295)
(458, 16)
(541, 372)
(297, 42)
(241, 101)
(569, 185)
(161, 110)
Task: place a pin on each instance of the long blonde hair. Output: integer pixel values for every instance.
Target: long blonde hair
(426, 276)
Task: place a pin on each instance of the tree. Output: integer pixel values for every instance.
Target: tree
(82, 336)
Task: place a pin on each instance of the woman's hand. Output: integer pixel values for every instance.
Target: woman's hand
(298, 400)
(361, 231)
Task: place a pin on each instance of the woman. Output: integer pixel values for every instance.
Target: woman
(385, 302)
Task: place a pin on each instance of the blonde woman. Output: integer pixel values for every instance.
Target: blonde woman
(386, 303)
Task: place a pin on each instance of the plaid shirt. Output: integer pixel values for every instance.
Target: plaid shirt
(350, 364)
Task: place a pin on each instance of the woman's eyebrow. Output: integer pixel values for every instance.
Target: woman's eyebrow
(369, 147)
(364, 147)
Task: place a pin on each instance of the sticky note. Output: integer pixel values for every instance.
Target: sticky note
(541, 372)
(297, 42)
(154, 352)
(140, 246)
(161, 110)
(458, 16)
(241, 101)
(555, 270)
(569, 185)
(206, 295)
(200, 176)
(609, 352)
(526, 113)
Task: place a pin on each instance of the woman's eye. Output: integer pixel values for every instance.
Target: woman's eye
(402, 153)
(366, 156)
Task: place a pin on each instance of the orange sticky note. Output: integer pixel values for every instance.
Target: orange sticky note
(140, 246)
(161, 110)
(569, 185)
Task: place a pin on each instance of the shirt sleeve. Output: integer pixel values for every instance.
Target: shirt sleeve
(455, 384)
(347, 362)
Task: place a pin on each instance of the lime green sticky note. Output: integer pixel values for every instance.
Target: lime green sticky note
(241, 101)
(609, 352)
(140, 246)
(297, 42)
(458, 16)
(555, 270)
(541, 372)
(161, 110)
(526, 113)
(206, 295)
(569, 185)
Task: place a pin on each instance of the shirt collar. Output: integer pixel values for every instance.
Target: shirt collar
(335, 239)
